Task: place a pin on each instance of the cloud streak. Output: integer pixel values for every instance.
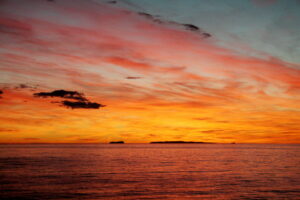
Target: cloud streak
(189, 27)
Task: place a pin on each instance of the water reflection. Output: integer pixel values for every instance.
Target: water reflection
(150, 171)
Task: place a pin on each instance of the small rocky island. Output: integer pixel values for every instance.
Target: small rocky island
(179, 142)
(116, 142)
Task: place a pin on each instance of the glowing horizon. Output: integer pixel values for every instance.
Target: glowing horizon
(160, 74)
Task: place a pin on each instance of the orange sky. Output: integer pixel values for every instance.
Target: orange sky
(159, 79)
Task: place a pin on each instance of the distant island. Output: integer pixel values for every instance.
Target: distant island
(117, 142)
(179, 142)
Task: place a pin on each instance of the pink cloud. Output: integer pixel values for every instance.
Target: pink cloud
(106, 43)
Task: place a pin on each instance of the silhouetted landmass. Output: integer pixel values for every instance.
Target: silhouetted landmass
(179, 142)
(117, 142)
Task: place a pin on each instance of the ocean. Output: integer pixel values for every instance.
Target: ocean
(149, 171)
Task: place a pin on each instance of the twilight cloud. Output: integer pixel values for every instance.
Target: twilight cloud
(80, 100)
(157, 67)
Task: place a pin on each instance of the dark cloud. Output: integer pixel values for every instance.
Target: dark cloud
(112, 2)
(189, 27)
(1, 92)
(146, 15)
(192, 27)
(82, 104)
(25, 86)
(206, 35)
(63, 94)
(79, 101)
(19, 86)
(133, 77)
(151, 17)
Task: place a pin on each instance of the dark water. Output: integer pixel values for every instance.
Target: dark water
(150, 171)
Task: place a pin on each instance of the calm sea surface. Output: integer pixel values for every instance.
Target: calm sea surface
(150, 171)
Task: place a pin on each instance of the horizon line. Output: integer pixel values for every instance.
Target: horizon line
(87, 143)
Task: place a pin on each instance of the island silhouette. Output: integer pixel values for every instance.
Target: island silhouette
(117, 142)
(179, 142)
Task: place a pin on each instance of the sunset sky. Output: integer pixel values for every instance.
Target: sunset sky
(86, 71)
